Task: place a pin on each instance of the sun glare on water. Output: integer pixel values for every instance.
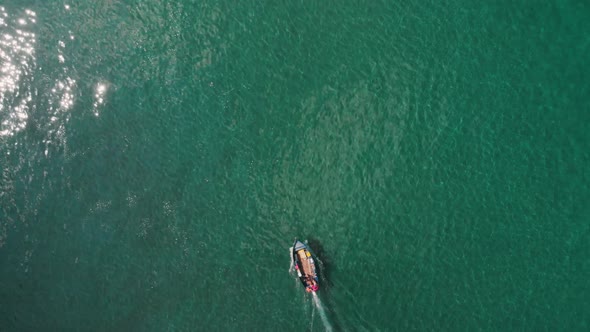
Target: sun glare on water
(99, 95)
(17, 60)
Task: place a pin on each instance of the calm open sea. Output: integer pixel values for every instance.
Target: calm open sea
(158, 158)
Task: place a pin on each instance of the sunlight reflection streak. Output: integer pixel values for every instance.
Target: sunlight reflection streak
(17, 53)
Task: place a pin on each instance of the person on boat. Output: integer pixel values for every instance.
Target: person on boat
(314, 285)
(310, 283)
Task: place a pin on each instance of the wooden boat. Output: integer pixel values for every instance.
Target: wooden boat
(305, 266)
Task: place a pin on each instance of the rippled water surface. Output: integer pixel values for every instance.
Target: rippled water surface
(158, 159)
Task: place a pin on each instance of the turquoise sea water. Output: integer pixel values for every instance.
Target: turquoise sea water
(158, 159)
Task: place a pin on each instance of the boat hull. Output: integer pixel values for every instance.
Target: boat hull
(305, 266)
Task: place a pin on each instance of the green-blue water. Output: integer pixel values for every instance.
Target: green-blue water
(158, 159)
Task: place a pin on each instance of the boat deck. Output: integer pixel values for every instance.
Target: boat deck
(306, 266)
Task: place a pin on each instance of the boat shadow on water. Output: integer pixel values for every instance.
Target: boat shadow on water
(324, 266)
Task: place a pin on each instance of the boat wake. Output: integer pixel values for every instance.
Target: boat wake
(291, 267)
(312, 318)
(318, 304)
(316, 300)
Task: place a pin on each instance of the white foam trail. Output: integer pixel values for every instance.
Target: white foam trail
(312, 317)
(292, 262)
(320, 307)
